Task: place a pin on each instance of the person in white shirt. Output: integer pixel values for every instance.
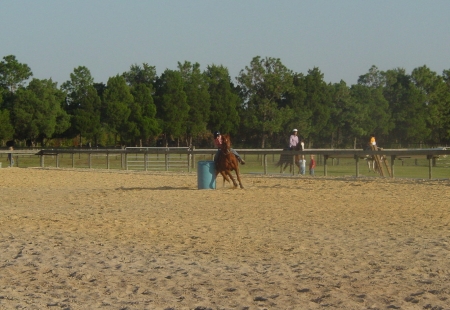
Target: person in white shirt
(302, 162)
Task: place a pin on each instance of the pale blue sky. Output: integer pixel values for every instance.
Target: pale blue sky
(343, 38)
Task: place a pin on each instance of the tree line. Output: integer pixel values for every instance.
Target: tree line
(183, 107)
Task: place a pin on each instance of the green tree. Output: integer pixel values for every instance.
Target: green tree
(6, 128)
(318, 102)
(263, 85)
(37, 111)
(117, 102)
(13, 74)
(436, 97)
(143, 114)
(76, 88)
(446, 77)
(83, 104)
(171, 103)
(373, 79)
(140, 75)
(374, 113)
(298, 115)
(225, 101)
(143, 122)
(369, 93)
(86, 117)
(197, 97)
(348, 116)
(408, 107)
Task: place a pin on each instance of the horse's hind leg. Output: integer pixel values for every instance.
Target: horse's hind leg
(283, 167)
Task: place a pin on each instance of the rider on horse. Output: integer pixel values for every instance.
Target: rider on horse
(293, 139)
(218, 143)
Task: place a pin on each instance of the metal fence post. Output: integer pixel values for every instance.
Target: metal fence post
(166, 161)
(265, 163)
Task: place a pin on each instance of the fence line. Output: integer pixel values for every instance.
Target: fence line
(127, 161)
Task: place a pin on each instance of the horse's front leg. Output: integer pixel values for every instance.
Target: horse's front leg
(225, 177)
(239, 178)
(232, 179)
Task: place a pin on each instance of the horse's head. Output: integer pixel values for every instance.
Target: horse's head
(298, 147)
(226, 142)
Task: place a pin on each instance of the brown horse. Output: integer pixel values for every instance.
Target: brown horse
(286, 160)
(227, 162)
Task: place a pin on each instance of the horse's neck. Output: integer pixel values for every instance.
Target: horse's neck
(225, 149)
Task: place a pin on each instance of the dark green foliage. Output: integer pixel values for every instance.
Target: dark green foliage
(197, 98)
(37, 112)
(436, 96)
(408, 108)
(83, 104)
(137, 75)
(186, 105)
(117, 103)
(13, 74)
(172, 106)
(224, 114)
(143, 114)
(263, 85)
(6, 128)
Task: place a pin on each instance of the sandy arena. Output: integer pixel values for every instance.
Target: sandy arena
(97, 239)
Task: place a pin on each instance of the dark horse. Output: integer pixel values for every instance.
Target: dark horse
(286, 160)
(227, 162)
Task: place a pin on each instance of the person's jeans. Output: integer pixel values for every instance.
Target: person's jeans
(232, 151)
(302, 170)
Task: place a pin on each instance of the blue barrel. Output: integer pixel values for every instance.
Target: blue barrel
(206, 175)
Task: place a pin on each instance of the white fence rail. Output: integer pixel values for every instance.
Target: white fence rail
(156, 159)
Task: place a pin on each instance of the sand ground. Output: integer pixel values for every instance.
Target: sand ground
(97, 239)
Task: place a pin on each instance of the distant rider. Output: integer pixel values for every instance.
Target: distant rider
(293, 139)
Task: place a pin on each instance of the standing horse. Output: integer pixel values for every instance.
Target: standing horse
(286, 160)
(372, 163)
(227, 162)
